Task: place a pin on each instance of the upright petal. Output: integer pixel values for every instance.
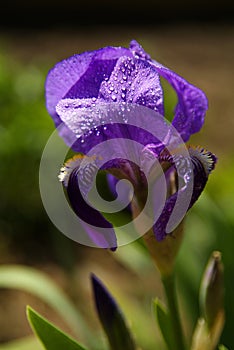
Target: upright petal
(138, 51)
(133, 81)
(80, 76)
(192, 103)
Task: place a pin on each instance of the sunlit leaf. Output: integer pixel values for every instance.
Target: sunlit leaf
(51, 336)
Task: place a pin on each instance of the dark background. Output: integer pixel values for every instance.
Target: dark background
(44, 14)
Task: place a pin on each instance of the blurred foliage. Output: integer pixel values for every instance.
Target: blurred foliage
(26, 230)
(24, 130)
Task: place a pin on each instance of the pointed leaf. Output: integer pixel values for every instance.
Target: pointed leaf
(163, 321)
(111, 318)
(52, 337)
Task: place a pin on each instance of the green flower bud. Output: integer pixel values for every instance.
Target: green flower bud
(212, 290)
(210, 325)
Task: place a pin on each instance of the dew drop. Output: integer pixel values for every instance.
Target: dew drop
(187, 177)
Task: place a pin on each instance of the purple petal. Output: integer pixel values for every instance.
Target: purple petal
(92, 121)
(192, 103)
(133, 81)
(203, 163)
(91, 216)
(125, 195)
(138, 50)
(80, 76)
(116, 74)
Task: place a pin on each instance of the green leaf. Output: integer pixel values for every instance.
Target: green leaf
(52, 337)
(163, 321)
(222, 347)
(39, 284)
(111, 318)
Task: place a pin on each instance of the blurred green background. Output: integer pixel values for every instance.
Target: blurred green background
(201, 52)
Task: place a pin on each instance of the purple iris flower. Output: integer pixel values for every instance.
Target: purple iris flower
(117, 75)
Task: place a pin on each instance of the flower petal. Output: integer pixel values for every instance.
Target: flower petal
(92, 121)
(92, 220)
(192, 103)
(203, 163)
(134, 81)
(80, 76)
(138, 51)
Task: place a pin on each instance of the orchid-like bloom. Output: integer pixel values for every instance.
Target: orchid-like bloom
(118, 76)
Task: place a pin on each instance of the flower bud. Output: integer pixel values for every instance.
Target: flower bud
(210, 325)
(212, 290)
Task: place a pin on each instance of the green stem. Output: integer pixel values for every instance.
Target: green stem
(176, 328)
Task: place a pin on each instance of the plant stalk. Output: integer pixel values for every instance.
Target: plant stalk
(176, 327)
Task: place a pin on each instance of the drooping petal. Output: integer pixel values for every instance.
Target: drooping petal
(78, 181)
(203, 163)
(192, 103)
